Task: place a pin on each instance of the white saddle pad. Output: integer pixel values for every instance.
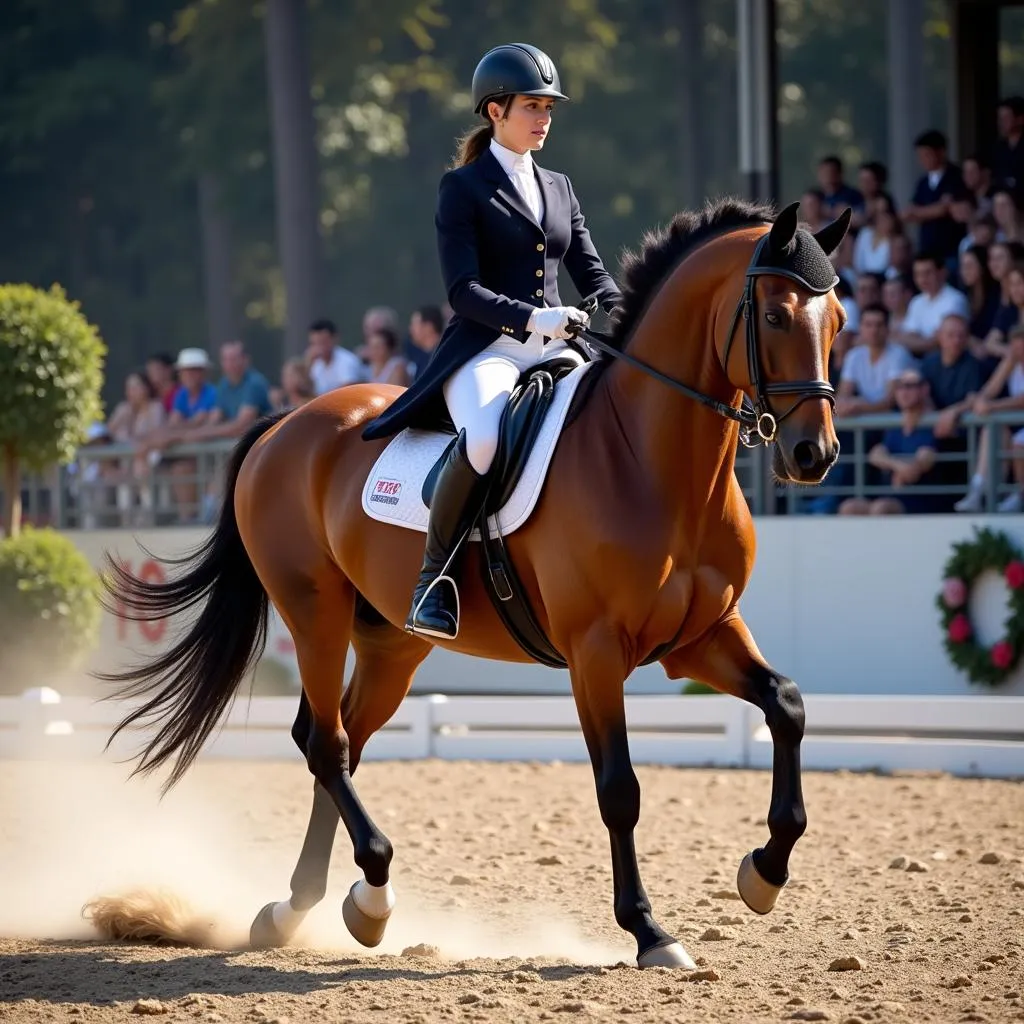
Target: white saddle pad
(392, 493)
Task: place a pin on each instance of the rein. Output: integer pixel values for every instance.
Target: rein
(758, 424)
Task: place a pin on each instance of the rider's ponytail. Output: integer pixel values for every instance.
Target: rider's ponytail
(472, 145)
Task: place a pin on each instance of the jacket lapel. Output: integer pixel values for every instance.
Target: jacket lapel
(548, 193)
(495, 173)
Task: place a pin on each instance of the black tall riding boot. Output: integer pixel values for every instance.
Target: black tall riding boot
(455, 504)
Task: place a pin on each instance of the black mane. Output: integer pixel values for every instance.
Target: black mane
(662, 249)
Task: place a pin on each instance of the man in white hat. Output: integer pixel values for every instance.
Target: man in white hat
(196, 400)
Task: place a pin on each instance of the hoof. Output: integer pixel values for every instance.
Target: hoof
(758, 894)
(671, 955)
(264, 934)
(366, 930)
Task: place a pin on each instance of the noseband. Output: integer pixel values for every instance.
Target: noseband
(758, 424)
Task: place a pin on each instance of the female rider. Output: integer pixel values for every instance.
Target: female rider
(503, 227)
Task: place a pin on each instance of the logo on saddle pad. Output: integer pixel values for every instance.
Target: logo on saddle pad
(386, 492)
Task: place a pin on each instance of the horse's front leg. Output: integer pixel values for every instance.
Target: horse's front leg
(598, 671)
(728, 659)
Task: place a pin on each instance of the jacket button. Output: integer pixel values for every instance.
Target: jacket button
(539, 292)
(540, 247)
(540, 273)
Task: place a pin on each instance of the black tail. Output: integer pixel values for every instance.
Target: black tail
(191, 685)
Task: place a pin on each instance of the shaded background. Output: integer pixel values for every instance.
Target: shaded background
(137, 161)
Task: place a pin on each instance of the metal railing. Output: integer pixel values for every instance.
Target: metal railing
(101, 489)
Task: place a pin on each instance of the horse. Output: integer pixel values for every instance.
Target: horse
(639, 548)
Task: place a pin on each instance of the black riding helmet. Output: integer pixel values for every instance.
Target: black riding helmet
(514, 69)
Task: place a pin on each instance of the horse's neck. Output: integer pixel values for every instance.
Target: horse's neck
(680, 445)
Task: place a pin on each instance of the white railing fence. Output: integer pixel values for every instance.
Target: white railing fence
(978, 735)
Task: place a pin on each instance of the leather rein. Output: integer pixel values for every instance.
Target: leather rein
(758, 424)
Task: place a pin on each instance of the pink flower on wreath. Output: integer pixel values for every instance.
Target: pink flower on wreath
(954, 591)
(960, 629)
(1015, 575)
(1002, 654)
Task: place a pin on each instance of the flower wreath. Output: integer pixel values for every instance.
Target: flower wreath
(989, 550)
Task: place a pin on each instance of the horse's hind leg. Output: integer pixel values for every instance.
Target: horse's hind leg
(728, 659)
(386, 661)
(276, 922)
(598, 671)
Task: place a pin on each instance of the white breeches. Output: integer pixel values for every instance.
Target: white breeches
(477, 391)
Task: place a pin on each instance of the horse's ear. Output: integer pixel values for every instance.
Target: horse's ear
(831, 235)
(784, 229)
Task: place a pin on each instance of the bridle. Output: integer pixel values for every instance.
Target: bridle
(758, 423)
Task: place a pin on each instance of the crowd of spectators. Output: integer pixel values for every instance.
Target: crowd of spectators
(934, 292)
(173, 401)
(933, 289)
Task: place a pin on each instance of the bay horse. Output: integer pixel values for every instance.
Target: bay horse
(641, 542)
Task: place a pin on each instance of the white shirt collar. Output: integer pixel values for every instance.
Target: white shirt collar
(513, 163)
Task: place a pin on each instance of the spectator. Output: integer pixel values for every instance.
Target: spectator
(983, 229)
(930, 206)
(243, 394)
(872, 177)
(901, 259)
(812, 209)
(1009, 377)
(378, 318)
(871, 247)
(195, 403)
(330, 365)
(982, 294)
(1008, 158)
(907, 454)
(964, 210)
(1008, 315)
(977, 175)
(955, 376)
(871, 367)
(934, 302)
(1002, 258)
(296, 386)
(426, 326)
(1006, 213)
(896, 296)
(381, 353)
(140, 413)
(866, 292)
(836, 194)
(139, 416)
(160, 373)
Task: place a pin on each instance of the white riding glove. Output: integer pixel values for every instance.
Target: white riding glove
(552, 321)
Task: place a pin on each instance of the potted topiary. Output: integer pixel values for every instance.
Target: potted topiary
(51, 372)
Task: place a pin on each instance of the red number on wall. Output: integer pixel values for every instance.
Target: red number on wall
(152, 632)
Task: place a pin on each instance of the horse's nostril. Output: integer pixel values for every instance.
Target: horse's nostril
(806, 455)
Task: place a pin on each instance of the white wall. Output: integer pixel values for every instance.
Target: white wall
(842, 605)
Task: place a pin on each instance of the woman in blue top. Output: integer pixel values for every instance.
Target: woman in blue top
(503, 227)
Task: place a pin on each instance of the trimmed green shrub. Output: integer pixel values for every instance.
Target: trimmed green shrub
(49, 608)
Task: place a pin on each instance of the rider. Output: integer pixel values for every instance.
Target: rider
(503, 227)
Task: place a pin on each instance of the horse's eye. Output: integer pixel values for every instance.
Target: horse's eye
(774, 319)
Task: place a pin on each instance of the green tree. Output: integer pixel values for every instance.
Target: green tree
(51, 372)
